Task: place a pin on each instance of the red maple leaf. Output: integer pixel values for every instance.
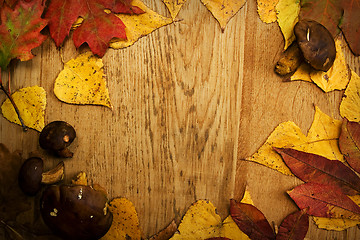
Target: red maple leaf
(20, 30)
(97, 28)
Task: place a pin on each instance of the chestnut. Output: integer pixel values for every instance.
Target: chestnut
(32, 175)
(76, 211)
(56, 137)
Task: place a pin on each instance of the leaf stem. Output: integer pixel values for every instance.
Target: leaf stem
(25, 128)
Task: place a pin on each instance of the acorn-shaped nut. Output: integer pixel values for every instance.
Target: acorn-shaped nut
(56, 137)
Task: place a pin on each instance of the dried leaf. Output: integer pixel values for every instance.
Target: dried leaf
(334, 224)
(166, 233)
(20, 31)
(350, 24)
(223, 10)
(294, 226)
(350, 104)
(201, 222)
(82, 81)
(31, 102)
(322, 139)
(125, 223)
(324, 201)
(138, 26)
(349, 143)
(302, 73)
(174, 6)
(314, 168)
(251, 221)
(287, 12)
(266, 10)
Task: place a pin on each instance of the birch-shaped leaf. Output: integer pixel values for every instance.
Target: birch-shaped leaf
(125, 223)
(174, 6)
(82, 81)
(322, 139)
(350, 104)
(314, 168)
(138, 26)
(31, 102)
(294, 226)
(349, 143)
(287, 12)
(324, 201)
(267, 10)
(223, 10)
(251, 221)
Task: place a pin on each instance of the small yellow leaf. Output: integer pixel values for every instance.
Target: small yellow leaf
(82, 81)
(31, 102)
(350, 103)
(302, 73)
(266, 10)
(322, 139)
(338, 76)
(174, 6)
(223, 10)
(247, 198)
(140, 25)
(335, 224)
(287, 12)
(125, 223)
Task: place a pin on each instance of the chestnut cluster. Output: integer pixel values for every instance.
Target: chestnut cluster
(70, 211)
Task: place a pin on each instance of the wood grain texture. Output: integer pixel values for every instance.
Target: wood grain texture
(189, 103)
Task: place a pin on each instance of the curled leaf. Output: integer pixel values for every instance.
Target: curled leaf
(349, 143)
(166, 233)
(294, 226)
(31, 102)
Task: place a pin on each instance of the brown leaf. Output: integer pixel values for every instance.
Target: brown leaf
(324, 201)
(349, 143)
(294, 226)
(251, 221)
(166, 233)
(314, 168)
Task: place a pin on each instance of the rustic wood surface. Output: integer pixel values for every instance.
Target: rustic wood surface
(189, 103)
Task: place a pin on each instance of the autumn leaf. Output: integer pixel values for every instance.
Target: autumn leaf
(174, 6)
(294, 226)
(350, 103)
(266, 10)
(349, 143)
(138, 26)
(324, 201)
(20, 31)
(322, 139)
(31, 102)
(350, 24)
(125, 223)
(10, 3)
(97, 27)
(251, 221)
(82, 81)
(166, 233)
(223, 10)
(287, 12)
(201, 221)
(314, 168)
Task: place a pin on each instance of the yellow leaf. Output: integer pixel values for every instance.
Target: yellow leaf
(335, 224)
(174, 6)
(223, 10)
(125, 223)
(287, 12)
(322, 139)
(350, 103)
(302, 73)
(82, 81)
(201, 222)
(338, 76)
(140, 25)
(31, 102)
(266, 10)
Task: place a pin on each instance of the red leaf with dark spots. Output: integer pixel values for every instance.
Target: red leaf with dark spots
(251, 221)
(349, 143)
(324, 201)
(294, 226)
(314, 168)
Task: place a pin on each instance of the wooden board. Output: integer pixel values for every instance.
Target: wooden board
(190, 102)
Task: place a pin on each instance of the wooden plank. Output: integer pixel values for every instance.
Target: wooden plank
(189, 103)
